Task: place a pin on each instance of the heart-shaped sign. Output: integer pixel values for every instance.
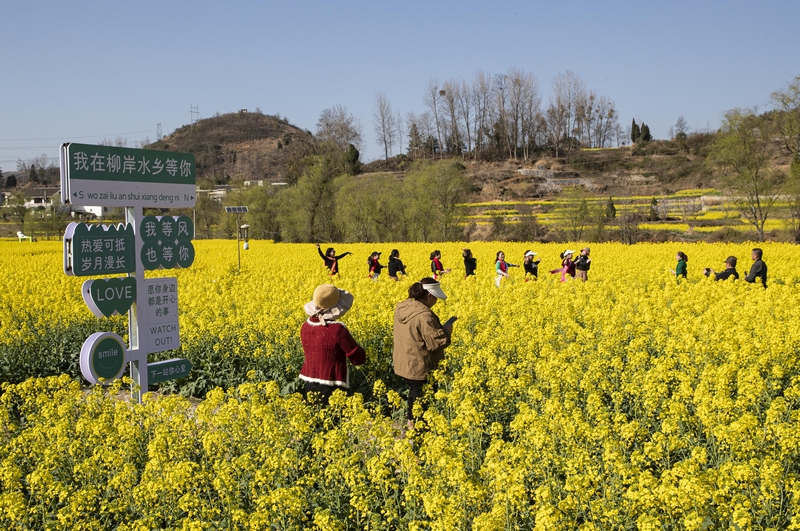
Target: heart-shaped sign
(109, 296)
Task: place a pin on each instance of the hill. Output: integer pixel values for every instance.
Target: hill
(239, 146)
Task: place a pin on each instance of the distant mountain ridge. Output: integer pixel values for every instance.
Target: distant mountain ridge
(239, 146)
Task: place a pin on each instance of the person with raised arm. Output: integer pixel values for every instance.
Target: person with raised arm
(331, 259)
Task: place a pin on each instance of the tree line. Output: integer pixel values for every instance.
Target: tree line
(503, 116)
(328, 203)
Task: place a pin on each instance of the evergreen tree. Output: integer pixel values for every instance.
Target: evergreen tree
(652, 214)
(11, 181)
(645, 133)
(415, 143)
(1, 178)
(611, 210)
(32, 175)
(635, 132)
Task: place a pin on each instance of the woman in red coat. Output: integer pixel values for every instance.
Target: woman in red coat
(327, 343)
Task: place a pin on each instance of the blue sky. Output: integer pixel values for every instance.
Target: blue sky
(85, 71)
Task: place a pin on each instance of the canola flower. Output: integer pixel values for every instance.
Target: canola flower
(632, 401)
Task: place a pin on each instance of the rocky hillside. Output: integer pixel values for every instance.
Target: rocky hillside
(239, 146)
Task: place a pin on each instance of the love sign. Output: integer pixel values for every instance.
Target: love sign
(109, 296)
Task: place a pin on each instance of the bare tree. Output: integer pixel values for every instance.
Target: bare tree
(740, 151)
(787, 102)
(383, 120)
(605, 122)
(500, 114)
(481, 95)
(431, 99)
(465, 104)
(401, 130)
(562, 110)
(450, 95)
(339, 126)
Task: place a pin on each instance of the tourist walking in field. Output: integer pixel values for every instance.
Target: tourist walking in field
(331, 260)
(375, 266)
(436, 265)
(680, 269)
(758, 269)
(327, 344)
(582, 265)
(730, 270)
(396, 265)
(501, 267)
(531, 266)
(419, 338)
(470, 263)
(567, 268)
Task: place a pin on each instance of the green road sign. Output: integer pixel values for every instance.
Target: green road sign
(167, 242)
(161, 371)
(115, 176)
(99, 249)
(102, 356)
(109, 296)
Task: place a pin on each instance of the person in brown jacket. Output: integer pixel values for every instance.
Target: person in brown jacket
(419, 338)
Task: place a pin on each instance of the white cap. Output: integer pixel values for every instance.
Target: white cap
(435, 289)
(569, 251)
(530, 253)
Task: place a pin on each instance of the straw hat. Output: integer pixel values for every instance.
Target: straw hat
(328, 303)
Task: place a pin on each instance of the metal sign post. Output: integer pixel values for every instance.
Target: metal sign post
(133, 179)
(237, 210)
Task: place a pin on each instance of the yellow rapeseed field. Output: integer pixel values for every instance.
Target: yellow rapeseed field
(632, 401)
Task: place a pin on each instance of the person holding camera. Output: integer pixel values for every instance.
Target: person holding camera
(419, 338)
(730, 270)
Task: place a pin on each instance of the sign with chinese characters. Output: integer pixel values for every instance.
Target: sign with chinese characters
(161, 371)
(102, 356)
(115, 176)
(161, 308)
(109, 296)
(167, 242)
(99, 249)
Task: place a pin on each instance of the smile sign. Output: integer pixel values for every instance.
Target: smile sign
(109, 296)
(103, 356)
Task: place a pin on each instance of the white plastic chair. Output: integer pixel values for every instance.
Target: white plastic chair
(21, 236)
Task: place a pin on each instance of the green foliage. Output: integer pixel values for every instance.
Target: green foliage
(645, 135)
(611, 210)
(652, 213)
(576, 213)
(635, 132)
(308, 210)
